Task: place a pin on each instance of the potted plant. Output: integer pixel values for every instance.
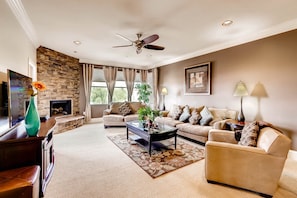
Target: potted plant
(146, 115)
(143, 113)
(144, 92)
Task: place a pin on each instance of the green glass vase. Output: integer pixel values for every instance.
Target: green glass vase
(32, 120)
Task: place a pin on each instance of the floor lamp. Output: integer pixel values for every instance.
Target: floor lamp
(164, 92)
(240, 90)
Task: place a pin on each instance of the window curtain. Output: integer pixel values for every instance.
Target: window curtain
(129, 75)
(143, 75)
(110, 75)
(87, 78)
(155, 87)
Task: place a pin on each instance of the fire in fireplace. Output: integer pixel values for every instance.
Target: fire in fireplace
(60, 107)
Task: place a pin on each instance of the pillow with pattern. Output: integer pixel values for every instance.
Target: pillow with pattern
(185, 115)
(195, 117)
(124, 109)
(175, 112)
(206, 117)
(249, 134)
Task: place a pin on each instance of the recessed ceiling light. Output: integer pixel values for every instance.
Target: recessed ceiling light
(77, 42)
(227, 23)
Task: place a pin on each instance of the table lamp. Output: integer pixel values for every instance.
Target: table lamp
(163, 93)
(240, 90)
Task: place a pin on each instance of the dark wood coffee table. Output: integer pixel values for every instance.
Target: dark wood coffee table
(164, 132)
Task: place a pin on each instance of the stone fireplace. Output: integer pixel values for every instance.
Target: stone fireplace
(60, 107)
(61, 75)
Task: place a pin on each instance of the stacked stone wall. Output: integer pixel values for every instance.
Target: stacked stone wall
(61, 75)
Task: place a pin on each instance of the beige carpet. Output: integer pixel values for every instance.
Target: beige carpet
(164, 158)
(88, 164)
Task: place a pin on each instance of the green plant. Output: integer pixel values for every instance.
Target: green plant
(144, 92)
(147, 113)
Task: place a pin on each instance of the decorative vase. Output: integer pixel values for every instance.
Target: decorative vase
(32, 120)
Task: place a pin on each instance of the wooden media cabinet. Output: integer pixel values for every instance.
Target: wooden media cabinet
(18, 150)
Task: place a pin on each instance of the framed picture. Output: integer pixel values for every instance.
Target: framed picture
(197, 79)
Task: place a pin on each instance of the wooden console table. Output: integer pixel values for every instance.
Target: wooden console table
(17, 150)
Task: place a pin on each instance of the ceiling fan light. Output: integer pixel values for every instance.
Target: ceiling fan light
(138, 50)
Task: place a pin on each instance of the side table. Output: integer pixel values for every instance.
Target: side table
(236, 126)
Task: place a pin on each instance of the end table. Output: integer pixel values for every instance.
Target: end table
(236, 126)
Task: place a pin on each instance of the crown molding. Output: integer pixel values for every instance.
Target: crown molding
(20, 13)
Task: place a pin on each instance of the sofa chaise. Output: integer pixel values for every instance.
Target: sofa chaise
(121, 112)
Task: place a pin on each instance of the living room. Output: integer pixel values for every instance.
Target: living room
(269, 62)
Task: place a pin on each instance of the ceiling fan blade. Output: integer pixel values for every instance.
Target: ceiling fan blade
(122, 46)
(150, 39)
(124, 38)
(154, 47)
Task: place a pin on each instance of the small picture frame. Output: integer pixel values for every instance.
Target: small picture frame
(198, 79)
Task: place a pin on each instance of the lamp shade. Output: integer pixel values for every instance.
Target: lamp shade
(164, 91)
(240, 89)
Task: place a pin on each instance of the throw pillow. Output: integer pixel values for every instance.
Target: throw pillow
(185, 115)
(124, 109)
(175, 112)
(206, 117)
(114, 107)
(249, 134)
(195, 117)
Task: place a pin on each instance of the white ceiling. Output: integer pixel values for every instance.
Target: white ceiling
(187, 28)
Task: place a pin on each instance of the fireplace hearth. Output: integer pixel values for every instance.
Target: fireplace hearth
(60, 107)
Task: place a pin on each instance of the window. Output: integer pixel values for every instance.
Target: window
(120, 92)
(99, 93)
(134, 94)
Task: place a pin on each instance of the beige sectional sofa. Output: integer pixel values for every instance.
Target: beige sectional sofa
(121, 112)
(207, 118)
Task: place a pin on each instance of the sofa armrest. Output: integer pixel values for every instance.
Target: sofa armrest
(222, 136)
(220, 124)
(107, 112)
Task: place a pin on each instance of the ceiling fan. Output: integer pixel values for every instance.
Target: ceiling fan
(139, 44)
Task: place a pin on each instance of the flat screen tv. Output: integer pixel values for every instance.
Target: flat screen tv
(18, 97)
(4, 122)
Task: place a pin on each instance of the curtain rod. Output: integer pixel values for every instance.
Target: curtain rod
(119, 68)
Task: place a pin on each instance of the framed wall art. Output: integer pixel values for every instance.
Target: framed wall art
(198, 79)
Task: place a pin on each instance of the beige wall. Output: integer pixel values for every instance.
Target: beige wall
(270, 62)
(15, 48)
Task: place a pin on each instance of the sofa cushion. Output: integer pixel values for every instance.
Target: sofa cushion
(168, 121)
(185, 115)
(222, 114)
(249, 134)
(206, 117)
(124, 109)
(175, 112)
(131, 117)
(135, 106)
(195, 117)
(194, 129)
(113, 118)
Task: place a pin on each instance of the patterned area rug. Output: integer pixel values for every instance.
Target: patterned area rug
(163, 159)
